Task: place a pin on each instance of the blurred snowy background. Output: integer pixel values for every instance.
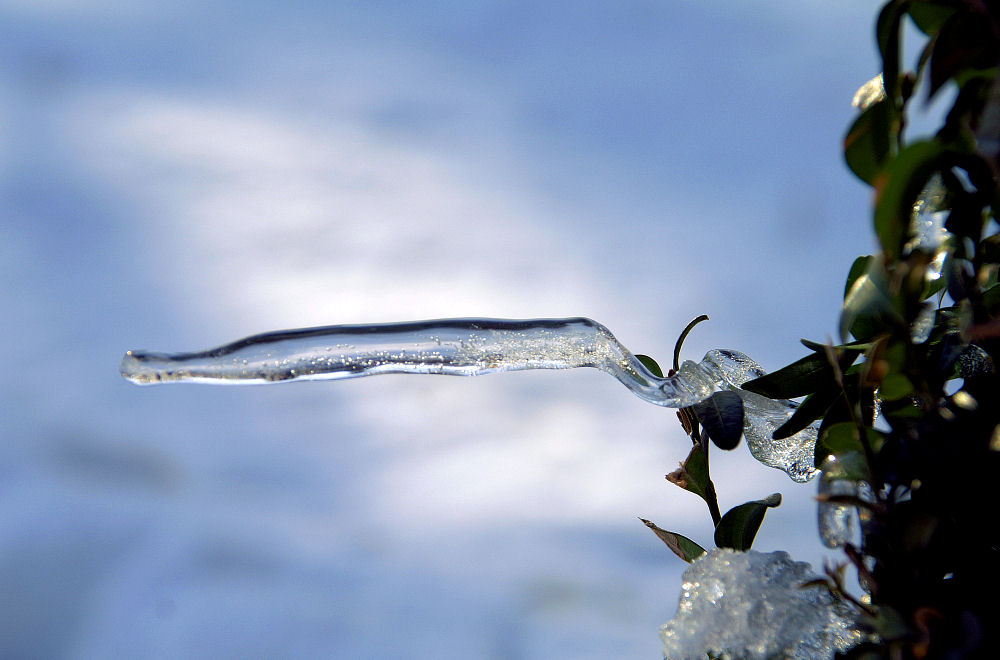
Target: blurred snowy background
(177, 175)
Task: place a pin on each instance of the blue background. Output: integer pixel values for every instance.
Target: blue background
(177, 175)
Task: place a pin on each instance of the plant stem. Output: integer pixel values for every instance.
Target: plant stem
(712, 499)
(680, 340)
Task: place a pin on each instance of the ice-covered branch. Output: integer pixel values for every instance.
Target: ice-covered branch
(471, 347)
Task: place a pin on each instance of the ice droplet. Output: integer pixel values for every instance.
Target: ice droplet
(472, 347)
(870, 93)
(750, 606)
(837, 524)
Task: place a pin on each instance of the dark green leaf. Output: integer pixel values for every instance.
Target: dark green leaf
(858, 268)
(897, 187)
(894, 387)
(959, 277)
(929, 16)
(739, 526)
(868, 143)
(692, 475)
(963, 43)
(681, 546)
(991, 299)
(722, 417)
(812, 408)
(848, 465)
(807, 375)
(989, 249)
(868, 305)
(650, 364)
(965, 220)
(887, 32)
(854, 347)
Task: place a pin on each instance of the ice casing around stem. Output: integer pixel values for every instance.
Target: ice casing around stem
(472, 347)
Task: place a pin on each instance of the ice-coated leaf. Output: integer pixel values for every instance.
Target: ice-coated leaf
(808, 374)
(739, 525)
(650, 364)
(722, 416)
(812, 408)
(680, 545)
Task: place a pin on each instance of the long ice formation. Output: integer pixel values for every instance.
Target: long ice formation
(472, 347)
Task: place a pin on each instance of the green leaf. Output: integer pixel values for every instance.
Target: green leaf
(799, 378)
(681, 546)
(959, 277)
(840, 441)
(887, 33)
(858, 268)
(806, 375)
(963, 43)
(692, 475)
(894, 387)
(812, 408)
(650, 364)
(722, 417)
(929, 16)
(868, 304)
(850, 348)
(739, 526)
(991, 299)
(868, 143)
(896, 189)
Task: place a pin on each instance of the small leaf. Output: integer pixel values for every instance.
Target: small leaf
(739, 526)
(692, 475)
(681, 546)
(722, 417)
(650, 364)
(868, 142)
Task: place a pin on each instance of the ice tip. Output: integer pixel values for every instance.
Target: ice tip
(135, 367)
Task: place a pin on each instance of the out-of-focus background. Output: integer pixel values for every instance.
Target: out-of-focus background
(177, 175)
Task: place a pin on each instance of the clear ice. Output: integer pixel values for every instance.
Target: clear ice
(472, 347)
(837, 524)
(750, 606)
